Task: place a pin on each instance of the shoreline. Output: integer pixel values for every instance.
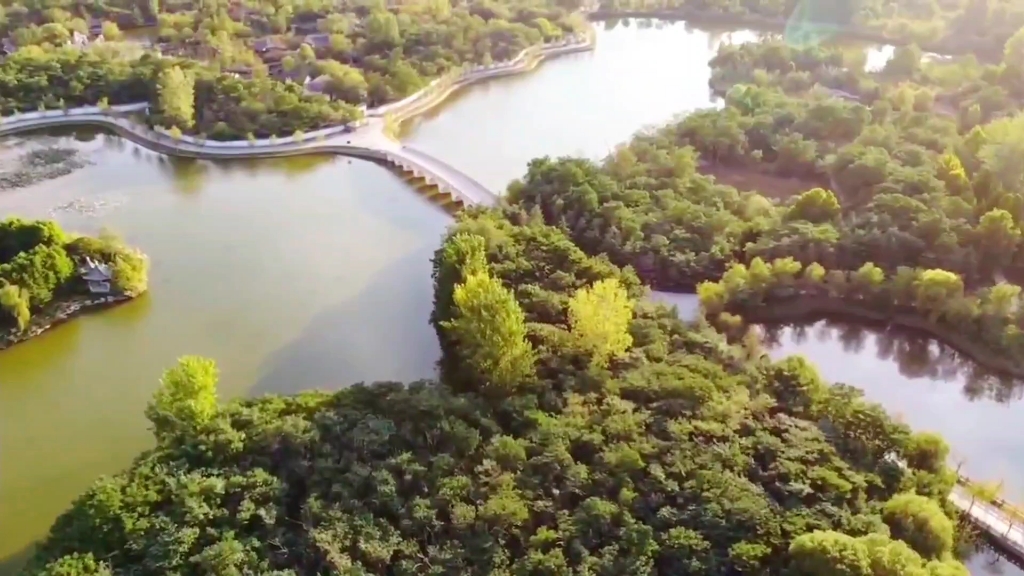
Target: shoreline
(766, 24)
(440, 97)
(813, 308)
(192, 147)
(60, 313)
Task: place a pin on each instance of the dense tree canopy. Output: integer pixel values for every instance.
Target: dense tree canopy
(676, 455)
(236, 70)
(37, 266)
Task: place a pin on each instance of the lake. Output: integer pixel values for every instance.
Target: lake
(294, 274)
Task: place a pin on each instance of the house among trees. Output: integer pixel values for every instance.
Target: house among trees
(240, 71)
(268, 43)
(96, 276)
(305, 25)
(318, 41)
(7, 47)
(82, 40)
(318, 85)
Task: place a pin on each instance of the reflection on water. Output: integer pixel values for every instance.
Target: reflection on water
(915, 356)
(926, 384)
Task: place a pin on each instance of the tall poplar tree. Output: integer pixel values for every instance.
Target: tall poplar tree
(176, 96)
(490, 328)
(599, 316)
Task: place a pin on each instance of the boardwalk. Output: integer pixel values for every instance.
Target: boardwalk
(368, 140)
(1006, 532)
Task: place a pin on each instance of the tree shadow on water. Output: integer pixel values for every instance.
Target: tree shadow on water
(382, 333)
(10, 565)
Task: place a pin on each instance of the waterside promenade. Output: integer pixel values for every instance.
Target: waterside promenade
(1002, 523)
(367, 138)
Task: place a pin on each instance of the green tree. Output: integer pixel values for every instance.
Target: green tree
(919, 522)
(176, 97)
(186, 399)
(382, 28)
(14, 301)
(130, 271)
(817, 205)
(831, 553)
(111, 31)
(490, 328)
(599, 317)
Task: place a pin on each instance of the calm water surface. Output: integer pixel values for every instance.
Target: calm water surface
(310, 273)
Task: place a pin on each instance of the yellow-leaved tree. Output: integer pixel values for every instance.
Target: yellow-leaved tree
(186, 399)
(599, 318)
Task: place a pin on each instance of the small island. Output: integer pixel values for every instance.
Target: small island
(48, 276)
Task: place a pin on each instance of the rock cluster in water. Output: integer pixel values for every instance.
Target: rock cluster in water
(40, 165)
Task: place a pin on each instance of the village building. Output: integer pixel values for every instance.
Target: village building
(318, 42)
(267, 44)
(82, 40)
(96, 275)
(318, 85)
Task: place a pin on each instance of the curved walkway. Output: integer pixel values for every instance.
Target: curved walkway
(368, 141)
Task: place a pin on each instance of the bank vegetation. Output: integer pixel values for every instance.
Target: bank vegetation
(41, 266)
(576, 429)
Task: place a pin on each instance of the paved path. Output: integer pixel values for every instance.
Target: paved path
(997, 523)
(368, 141)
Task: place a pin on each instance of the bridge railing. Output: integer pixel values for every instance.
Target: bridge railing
(411, 104)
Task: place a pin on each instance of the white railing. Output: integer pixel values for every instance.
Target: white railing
(276, 141)
(479, 71)
(468, 74)
(80, 111)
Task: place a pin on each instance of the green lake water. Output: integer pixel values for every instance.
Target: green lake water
(306, 273)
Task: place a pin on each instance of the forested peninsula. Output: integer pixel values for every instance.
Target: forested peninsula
(909, 213)
(576, 429)
(47, 275)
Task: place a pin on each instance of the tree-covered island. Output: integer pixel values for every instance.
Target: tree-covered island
(576, 430)
(234, 70)
(48, 275)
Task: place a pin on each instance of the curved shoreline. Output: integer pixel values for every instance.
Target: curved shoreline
(58, 314)
(766, 24)
(285, 146)
(813, 308)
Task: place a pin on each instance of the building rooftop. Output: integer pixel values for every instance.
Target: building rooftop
(268, 43)
(94, 271)
(318, 84)
(318, 40)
